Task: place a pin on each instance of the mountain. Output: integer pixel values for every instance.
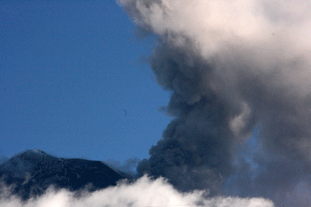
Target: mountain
(31, 172)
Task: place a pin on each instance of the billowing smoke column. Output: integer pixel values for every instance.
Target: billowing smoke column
(240, 78)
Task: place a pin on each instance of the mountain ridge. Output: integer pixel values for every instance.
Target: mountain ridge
(32, 172)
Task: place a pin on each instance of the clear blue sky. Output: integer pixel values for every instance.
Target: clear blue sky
(73, 83)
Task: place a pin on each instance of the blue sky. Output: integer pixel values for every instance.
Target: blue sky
(74, 83)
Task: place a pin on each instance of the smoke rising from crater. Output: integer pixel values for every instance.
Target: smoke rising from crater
(239, 74)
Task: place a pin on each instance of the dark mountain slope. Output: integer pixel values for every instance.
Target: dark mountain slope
(30, 173)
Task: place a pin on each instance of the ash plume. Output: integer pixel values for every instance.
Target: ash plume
(239, 74)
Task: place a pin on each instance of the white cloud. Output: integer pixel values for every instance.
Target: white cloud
(142, 193)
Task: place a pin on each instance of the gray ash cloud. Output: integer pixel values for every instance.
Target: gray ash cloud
(233, 69)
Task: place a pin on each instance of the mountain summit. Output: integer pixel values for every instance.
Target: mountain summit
(31, 172)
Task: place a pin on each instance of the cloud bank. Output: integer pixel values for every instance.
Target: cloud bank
(143, 193)
(239, 74)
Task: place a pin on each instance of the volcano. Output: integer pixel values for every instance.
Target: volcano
(31, 173)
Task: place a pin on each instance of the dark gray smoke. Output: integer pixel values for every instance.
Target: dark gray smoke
(197, 142)
(239, 74)
(125, 169)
